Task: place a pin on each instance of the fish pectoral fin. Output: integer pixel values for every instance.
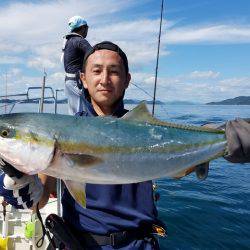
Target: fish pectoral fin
(83, 159)
(76, 158)
(201, 170)
(77, 191)
(140, 113)
(184, 172)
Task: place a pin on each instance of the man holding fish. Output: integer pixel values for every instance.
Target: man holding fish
(116, 216)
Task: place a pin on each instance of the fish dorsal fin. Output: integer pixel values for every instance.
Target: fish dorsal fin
(140, 114)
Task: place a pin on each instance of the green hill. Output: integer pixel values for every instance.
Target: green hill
(240, 100)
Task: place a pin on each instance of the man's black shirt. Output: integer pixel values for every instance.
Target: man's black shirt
(74, 51)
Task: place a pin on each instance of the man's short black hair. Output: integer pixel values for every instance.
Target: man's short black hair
(109, 46)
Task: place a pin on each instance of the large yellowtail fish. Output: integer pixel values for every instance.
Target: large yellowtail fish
(105, 150)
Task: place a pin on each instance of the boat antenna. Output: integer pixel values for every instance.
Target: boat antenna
(42, 92)
(157, 58)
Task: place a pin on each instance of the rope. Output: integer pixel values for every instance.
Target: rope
(148, 94)
(143, 90)
(45, 232)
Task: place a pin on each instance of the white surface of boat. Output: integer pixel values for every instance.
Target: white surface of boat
(15, 222)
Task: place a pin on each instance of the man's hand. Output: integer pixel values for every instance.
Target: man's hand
(238, 141)
(21, 192)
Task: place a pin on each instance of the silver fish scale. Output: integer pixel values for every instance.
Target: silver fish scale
(109, 131)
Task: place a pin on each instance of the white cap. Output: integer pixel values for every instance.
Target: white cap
(76, 22)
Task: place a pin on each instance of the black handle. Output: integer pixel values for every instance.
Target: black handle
(10, 170)
(57, 226)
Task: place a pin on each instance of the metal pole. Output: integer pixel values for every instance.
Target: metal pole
(42, 94)
(59, 196)
(58, 181)
(157, 58)
(57, 90)
(56, 102)
(6, 93)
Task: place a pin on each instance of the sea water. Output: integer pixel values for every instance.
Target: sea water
(209, 214)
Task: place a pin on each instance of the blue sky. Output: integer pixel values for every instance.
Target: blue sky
(205, 47)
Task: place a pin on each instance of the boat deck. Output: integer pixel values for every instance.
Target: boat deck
(16, 221)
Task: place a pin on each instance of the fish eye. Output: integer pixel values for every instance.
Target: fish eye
(5, 133)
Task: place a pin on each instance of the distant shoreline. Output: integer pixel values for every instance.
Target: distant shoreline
(240, 100)
(64, 101)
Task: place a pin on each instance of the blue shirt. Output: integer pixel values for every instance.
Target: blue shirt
(111, 208)
(74, 52)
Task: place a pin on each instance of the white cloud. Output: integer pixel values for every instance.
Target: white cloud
(138, 38)
(204, 74)
(45, 21)
(10, 60)
(33, 37)
(41, 63)
(38, 28)
(144, 30)
(18, 83)
(240, 85)
(10, 47)
(45, 57)
(209, 87)
(15, 72)
(215, 34)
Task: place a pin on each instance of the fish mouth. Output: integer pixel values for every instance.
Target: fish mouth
(27, 154)
(5, 153)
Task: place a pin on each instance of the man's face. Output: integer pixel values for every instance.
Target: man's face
(105, 78)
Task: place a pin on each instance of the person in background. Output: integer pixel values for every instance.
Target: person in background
(74, 49)
(117, 216)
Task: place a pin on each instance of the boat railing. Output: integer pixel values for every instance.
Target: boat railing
(53, 96)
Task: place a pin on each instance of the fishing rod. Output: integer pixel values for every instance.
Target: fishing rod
(157, 58)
